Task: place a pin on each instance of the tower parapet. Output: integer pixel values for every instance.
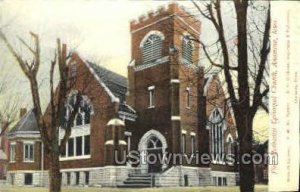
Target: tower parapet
(170, 10)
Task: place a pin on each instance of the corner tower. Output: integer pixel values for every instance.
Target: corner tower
(162, 48)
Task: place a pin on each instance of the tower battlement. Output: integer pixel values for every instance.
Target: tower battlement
(170, 10)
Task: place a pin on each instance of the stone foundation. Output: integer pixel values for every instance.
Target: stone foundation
(183, 176)
(108, 176)
(111, 176)
(220, 178)
(39, 178)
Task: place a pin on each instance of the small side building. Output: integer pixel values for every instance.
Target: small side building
(25, 158)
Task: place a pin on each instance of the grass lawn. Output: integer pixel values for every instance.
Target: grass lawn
(258, 188)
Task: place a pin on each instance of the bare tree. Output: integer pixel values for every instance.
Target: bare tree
(49, 122)
(246, 66)
(9, 108)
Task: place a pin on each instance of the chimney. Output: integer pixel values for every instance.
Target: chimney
(23, 111)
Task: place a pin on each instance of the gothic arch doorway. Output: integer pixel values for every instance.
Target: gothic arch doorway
(152, 148)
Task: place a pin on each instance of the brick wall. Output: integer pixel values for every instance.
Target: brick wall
(20, 164)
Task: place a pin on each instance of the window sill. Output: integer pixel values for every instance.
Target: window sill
(151, 107)
(28, 161)
(82, 126)
(188, 107)
(218, 162)
(12, 161)
(75, 158)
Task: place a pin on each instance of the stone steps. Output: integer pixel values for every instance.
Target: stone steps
(137, 181)
(134, 186)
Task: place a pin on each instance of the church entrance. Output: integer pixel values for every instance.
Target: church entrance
(152, 148)
(154, 155)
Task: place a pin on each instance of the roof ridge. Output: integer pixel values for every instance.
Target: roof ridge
(23, 119)
(119, 79)
(27, 123)
(101, 66)
(92, 70)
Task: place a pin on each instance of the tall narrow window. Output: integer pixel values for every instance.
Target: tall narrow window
(87, 145)
(188, 97)
(193, 145)
(152, 48)
(151, 96)
(13, 152)
(87, 113)
(217, 145)
(183, 143)
(63, 152)
(187, 49)
(128, 138)
(71, 147)
(28, 152)
(230, 146)
(78, 146)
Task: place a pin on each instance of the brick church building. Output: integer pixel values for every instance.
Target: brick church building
(167, 106)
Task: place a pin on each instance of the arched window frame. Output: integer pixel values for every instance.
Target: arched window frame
(155, 142)
(85, 102)
(187, 48)
(153, 53)
(230, 147)
(217, 127)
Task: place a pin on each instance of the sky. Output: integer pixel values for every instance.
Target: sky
(97, 30)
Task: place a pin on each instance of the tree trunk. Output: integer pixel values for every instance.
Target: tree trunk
(54, 172)
(246, 166)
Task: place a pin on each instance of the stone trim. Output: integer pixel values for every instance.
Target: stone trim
(175, 118)
(142, 147)
(75, 158)
(174, 81)
(152, 64)
(158, 21)
(153, 32)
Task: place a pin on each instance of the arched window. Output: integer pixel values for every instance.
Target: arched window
(216, 132)
(230, 146)
(84, 112)
(187, 49)
(154, 143)
(152, 48)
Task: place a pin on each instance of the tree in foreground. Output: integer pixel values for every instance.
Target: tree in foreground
(8, 108)
(244, 66)
(49, 122)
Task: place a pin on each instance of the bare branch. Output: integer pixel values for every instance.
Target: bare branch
(26, 45)
(20, 61)
(263, 57)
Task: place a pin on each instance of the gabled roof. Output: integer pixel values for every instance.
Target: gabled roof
(116, 84)
(116, 87)
(27, 124)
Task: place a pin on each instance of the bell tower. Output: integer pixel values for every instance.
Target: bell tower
(162, 50)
